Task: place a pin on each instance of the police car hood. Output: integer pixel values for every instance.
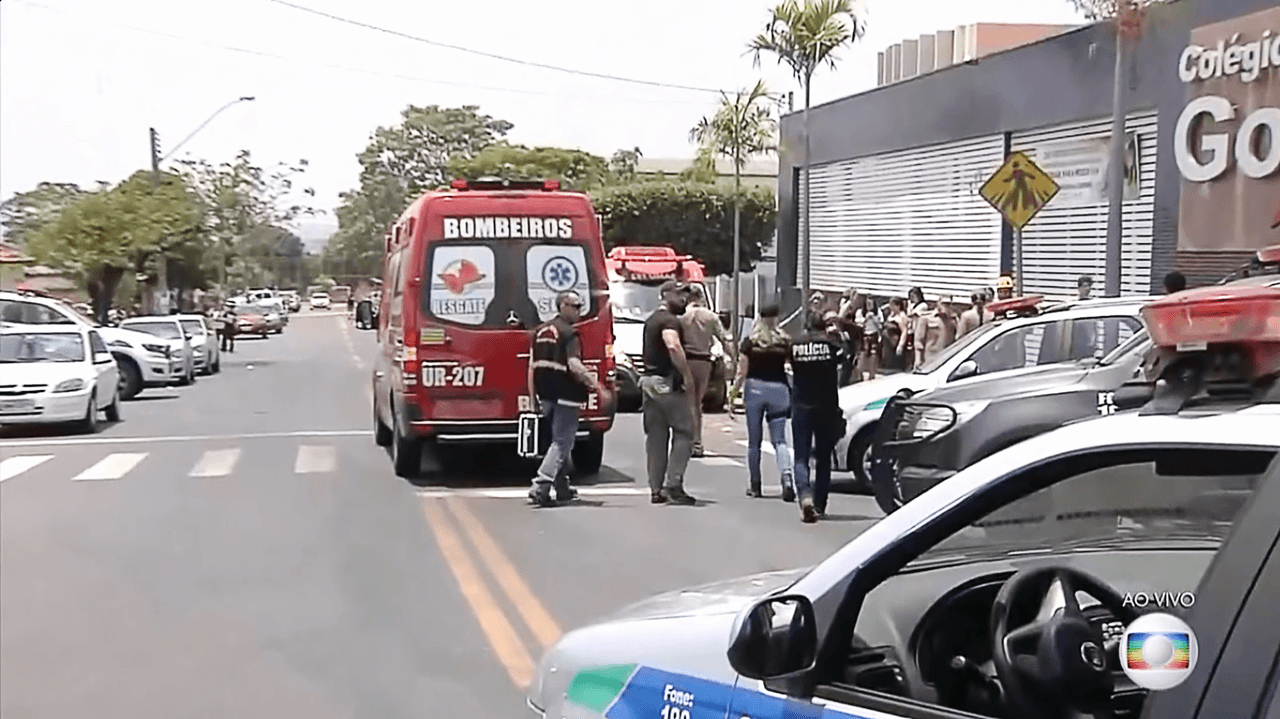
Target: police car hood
(1008, 384)
(685, 631)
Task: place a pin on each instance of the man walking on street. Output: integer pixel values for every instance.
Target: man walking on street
(667, 387)
(701, 327)
(935, 330)
(974, 317)
(559, 381)
(815, 415)
(228, 329)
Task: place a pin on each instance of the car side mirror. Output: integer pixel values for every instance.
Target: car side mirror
(103, 358)
(967, 369)
(775, 637)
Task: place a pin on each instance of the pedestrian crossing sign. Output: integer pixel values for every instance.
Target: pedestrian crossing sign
(1019, 189)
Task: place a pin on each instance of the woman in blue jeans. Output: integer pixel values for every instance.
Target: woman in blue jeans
(762, 367)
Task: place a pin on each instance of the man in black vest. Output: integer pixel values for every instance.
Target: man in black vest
(559, 381)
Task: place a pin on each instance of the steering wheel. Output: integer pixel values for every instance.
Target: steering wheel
(1056, 665)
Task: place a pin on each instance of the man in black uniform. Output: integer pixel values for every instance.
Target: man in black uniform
(560, 381)
(816, 418)
(667, 388)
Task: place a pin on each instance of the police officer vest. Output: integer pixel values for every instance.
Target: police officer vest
(551, 378)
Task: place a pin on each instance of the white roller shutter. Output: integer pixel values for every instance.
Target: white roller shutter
(1069, 238)
(885, 223)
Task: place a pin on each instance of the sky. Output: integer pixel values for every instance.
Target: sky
(81, 81)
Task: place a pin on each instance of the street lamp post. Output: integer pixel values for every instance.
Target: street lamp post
(162, 262)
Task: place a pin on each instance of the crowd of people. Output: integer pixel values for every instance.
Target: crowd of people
(782, 380)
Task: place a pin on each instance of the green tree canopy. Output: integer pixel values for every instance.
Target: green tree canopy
(695, 218)
(26, 212)
(573, 168)
(100, 235)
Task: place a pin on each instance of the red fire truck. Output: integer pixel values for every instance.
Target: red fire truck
(635, 273)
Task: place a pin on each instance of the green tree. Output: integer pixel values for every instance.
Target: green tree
(695, 218)
(623, 166)
(25, 213)
(574, 169)
(239, 198)
(741, 128)
(805, 37)
(99, 236)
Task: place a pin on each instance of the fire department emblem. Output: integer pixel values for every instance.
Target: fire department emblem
(460, 275)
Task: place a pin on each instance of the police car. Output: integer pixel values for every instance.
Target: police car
(1004, 590)
(1027, 333)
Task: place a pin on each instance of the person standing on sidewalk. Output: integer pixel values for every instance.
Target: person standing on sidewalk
(816, 418)
(560, 382)
(762, 368)
(701, 328)
(974, 317)
(667, 388)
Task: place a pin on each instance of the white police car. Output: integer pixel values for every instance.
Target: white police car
(1003, 590)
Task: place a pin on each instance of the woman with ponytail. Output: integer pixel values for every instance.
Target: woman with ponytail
(762, 367)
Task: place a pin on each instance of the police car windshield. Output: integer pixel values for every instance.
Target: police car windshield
(41, 347)
(979, 335)
(1139, 342)
(633, 301)
(1147, 502)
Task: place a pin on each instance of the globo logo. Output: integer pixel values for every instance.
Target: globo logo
(1255, 145)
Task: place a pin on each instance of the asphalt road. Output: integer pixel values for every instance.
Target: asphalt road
(241, 548)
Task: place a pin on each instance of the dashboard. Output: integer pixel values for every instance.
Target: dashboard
(932, 625)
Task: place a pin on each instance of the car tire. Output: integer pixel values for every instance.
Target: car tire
(381, 432)
(113, 410)
(406, 452)
(89, 425)
(859, 451)
(217, 365)
(588, 454)
(130, 378)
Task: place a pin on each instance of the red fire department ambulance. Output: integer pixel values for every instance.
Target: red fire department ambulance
(468, 274)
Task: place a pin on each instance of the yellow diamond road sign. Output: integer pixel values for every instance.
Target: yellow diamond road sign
(1019, 189)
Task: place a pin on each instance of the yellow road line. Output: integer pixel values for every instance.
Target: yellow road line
(534, 614)
(502, 636)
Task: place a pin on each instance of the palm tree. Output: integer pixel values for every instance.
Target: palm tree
(741, 128)
(804, 37)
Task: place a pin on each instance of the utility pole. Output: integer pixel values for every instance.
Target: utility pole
(162, 264)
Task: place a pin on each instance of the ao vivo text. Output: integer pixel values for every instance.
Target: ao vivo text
(1160, 600)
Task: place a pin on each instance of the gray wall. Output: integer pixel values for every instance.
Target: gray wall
(1061, 79)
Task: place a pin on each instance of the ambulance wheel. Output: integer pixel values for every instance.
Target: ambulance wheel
(588, 454)
(381, 432)
(406, 453)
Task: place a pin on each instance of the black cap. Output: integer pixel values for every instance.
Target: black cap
(673, 286)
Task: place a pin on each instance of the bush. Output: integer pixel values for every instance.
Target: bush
(694, 218)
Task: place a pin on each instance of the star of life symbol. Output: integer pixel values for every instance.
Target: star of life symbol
(1106, 403)
(559, 274)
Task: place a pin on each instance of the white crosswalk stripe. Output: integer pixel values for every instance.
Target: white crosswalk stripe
(315, 459)
(764, 446)
(216, 463)
(113, 466)
(13, 466)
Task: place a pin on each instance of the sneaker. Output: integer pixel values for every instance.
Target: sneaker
(788, 493)
(820, 513)
(679, 497)
(569, 494)
(754, 492)
(541, 495)
(657, 498)
(807, 513)
(697, 451)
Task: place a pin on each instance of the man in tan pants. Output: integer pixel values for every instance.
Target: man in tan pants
(701, 326)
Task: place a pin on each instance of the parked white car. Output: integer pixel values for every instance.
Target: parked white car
(205, 341)
(319, 301)
(142, 361)
(57, 373)
(169, 331)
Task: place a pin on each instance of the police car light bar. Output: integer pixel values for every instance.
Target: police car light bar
(497, 183)
(1211, 315)
(1015, 305)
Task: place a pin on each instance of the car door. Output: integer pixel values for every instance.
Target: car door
(105, 370)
